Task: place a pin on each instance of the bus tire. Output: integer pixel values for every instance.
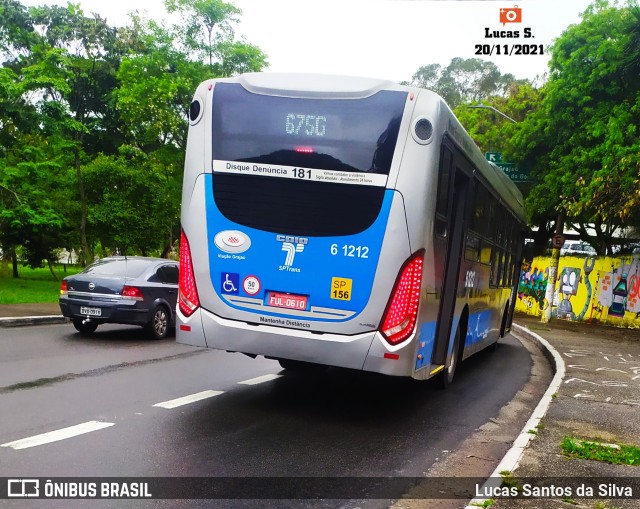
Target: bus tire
(447, 374)
(503, 325)
(301, 366)
(503, 328)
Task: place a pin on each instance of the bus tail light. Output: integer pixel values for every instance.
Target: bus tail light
(401, 314)
(188, 300)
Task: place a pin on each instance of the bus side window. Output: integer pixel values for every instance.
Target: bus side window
(495, 263)
(472, 248)
(442, 199)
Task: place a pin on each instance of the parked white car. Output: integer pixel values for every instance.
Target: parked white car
(578, 249)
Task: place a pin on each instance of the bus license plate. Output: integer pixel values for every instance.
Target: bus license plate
(90, 311)
(287, 300)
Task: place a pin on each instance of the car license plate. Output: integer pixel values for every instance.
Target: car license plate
(287, 300)
(90, 311)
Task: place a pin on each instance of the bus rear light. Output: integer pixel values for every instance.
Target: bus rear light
(304, 150)
(132, 292)
(188, 300)
(402, 311)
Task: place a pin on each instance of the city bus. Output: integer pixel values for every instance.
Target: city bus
(342, 221)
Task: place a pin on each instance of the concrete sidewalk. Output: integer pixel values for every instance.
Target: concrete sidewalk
(16, 315)
(596, 398)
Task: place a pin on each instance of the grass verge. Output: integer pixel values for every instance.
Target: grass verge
(617, 454)
(33, 285)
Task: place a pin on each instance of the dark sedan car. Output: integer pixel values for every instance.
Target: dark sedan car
(131, 290)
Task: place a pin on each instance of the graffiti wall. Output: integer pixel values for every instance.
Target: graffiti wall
(590, 289)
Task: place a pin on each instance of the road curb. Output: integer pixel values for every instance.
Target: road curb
(23, 321)
(513, 456)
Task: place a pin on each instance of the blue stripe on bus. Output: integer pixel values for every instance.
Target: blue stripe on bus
(477, 330)
(479, 326)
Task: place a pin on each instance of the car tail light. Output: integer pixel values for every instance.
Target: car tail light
(132, 292)
(63, 288)
(188, 300)
(401, 314)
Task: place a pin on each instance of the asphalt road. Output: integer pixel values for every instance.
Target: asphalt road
(256, 420)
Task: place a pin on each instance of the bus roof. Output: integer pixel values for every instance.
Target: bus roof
(306, 85)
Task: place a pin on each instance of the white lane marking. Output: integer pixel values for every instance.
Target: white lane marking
(173, 403)
(260, 379)
(61, 434)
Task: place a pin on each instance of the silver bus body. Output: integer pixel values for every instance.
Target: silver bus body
(275, 291)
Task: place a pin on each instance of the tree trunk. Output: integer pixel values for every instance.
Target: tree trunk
(14, 263)
(86, 253)
(55, 277)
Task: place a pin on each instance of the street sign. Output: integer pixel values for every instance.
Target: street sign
(557, 241)
(512, 171)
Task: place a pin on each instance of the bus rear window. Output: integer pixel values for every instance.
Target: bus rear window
(352, 135)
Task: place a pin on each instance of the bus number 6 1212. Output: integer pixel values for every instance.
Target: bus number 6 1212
(350, 251)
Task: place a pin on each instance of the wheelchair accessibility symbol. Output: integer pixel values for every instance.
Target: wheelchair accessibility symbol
(230, 282)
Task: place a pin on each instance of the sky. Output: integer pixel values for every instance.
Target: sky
(387, 39)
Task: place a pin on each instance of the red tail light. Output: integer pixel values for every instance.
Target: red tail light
(402, 311)
(132, 292)
(188, 300)
(63, 288)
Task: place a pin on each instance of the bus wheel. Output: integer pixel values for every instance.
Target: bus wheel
(301, 366)
(446, 375)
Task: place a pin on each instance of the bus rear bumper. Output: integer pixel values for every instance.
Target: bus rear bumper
(364, 351)
(286, 343)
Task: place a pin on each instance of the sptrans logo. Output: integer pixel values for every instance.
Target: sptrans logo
(291, 245)
(510, 15)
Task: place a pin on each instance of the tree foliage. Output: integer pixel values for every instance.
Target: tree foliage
(463, 80)
(577, 133)
(583, 140)
(93, 123)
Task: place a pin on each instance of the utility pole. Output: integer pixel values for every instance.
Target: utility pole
(557, 242)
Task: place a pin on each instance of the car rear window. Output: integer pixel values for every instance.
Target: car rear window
(122, 268)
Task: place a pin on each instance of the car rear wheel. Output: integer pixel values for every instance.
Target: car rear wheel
(83, 326)
(159, 326)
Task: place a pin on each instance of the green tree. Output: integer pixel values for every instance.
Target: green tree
(463, 80)
(31, 195)
(83, 104)
(206, 31)
(582, 143)
(131, 210)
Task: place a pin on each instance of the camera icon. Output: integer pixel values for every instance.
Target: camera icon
(511, 15)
